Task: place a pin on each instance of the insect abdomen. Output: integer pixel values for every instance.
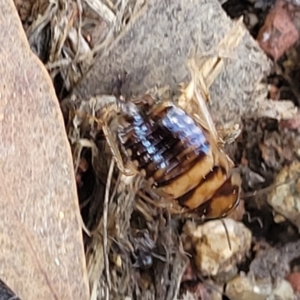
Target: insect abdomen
(173, 150)
(165, 145)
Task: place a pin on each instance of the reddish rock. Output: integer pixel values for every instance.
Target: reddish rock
(279, 32)
(294, 280)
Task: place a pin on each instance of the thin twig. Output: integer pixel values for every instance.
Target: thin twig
(105, 213)
(102, 10)
(117, 183)
(80, 10)
(107, 292)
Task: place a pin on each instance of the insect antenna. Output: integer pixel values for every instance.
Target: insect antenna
(266, 189)
(251, 220)
(227, 234)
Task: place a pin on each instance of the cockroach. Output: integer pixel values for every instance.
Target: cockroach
(179, 158)
(178, 153)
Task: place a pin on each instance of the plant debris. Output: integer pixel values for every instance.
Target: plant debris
(67, 35)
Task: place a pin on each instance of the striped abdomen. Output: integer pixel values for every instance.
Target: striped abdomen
(174, 152)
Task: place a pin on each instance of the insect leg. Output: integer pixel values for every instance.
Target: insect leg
(128, 170)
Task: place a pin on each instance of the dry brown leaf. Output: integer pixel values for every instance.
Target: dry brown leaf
(42, 255)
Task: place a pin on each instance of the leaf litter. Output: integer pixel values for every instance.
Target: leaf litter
(62, 34)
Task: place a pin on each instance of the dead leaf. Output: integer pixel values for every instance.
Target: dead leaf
(42, 255)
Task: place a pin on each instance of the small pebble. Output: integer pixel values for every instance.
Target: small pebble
(294, 280)
(282, 291)
(217, 252)
(244, 287)
(285, 197)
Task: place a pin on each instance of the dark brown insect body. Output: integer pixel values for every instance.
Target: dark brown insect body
(179, 157)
